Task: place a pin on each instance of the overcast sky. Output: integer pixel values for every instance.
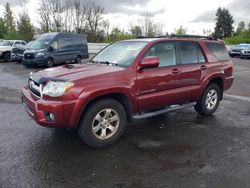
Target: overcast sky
(195, 15)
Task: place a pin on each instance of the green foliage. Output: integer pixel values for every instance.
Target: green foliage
(224, 24)
(180, 31)
(9, 23)
(2, 28)
(243, 37)
(116, 35)
(25, 28)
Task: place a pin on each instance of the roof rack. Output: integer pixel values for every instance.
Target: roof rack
(193, 36)
(181, 36)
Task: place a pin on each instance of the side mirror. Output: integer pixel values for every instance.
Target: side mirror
(50, 49)
(149, 62)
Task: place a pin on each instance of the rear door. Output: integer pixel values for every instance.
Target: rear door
(158, 87)
(193, 69)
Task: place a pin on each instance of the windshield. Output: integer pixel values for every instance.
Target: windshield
(6, 43)
(120, 53)
(40, 44)
(242, 46)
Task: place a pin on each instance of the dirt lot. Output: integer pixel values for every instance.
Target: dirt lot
(179, 149)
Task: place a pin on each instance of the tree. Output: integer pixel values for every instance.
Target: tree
(94, 16)
(146, 26)
(248, 25)
(117, 34)
(44, 13)
(224, 23)
(241, 27)
(25, 28)
(136, 31)
(9, 19)
(180, 31)
(2, 28)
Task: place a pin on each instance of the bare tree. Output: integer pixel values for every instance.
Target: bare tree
(45, 16)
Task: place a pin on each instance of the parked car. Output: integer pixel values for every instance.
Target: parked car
(236, 50)
(128, 80)
(245, 53)
(55, 48)
(12, 50)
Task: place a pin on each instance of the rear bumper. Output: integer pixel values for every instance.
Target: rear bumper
(66, 113)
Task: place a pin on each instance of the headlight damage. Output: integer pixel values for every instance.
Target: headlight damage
(57, 88)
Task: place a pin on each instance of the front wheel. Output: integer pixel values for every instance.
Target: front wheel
(7, 57)
(210, 100)
(103, 123)
(49, 63)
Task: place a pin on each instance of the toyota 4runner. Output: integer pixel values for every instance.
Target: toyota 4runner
(127, 80)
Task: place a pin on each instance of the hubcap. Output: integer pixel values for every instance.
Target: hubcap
(211, 99)
(105, 124)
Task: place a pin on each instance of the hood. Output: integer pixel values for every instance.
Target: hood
(4, 48)
(74, 72)
(34, 51)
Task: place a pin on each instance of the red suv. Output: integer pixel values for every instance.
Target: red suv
(127, 80)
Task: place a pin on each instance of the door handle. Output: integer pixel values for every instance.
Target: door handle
(176, 71)
(203, 67)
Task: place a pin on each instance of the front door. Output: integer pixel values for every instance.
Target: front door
(158, 87)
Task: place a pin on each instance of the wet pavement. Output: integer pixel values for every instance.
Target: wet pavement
(179, 149)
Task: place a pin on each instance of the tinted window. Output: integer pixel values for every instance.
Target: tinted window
(219, 51)
(65, 43)
(17, 43)
(55, 45)
(165, 51)
(191, 53)
(23, 43)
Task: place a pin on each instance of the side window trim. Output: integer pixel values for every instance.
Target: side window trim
(198, 59)
(175, 53)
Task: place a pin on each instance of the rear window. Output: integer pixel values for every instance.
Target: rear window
(219, 51)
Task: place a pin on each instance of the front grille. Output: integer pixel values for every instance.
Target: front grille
(34, 87)
(29, 56)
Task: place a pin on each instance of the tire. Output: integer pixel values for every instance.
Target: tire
(49, 63)
(95, 126)
(210, 100)
(7, 57)
(78, 59)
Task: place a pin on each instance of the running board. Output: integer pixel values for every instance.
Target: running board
(162, 111)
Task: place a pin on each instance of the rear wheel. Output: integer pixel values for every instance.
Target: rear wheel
(210, 100)
(50, 62)
(103, 123)
(7, 56)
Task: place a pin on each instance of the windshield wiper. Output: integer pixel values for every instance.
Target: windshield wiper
(104, 62)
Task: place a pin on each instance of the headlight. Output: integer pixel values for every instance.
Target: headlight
(40, 54)
(56, 89)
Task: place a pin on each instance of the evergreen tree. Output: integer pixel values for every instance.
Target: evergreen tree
(224, 23)
(9, 19)
(2, 28)
(25, 28)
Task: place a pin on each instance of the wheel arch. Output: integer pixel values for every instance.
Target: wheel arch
(216, 80)
(119, 97)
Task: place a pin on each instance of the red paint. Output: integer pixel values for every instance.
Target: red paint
(143, 88)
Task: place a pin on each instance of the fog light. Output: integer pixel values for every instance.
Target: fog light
(49, 116)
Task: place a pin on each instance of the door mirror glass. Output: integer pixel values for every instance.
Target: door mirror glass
(150, 62)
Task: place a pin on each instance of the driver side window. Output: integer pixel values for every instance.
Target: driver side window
(55, 45)
(165, 51)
